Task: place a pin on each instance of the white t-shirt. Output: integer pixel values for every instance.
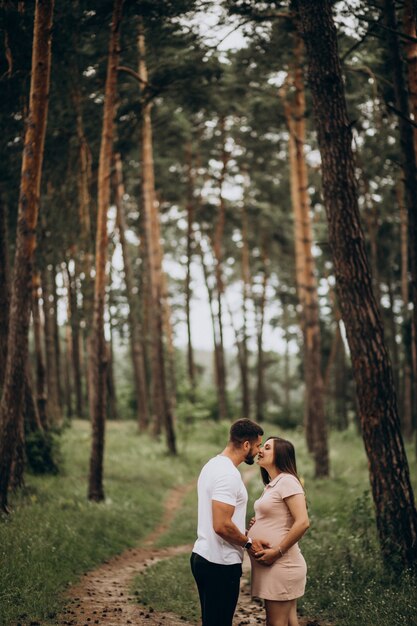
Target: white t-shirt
(219, 480)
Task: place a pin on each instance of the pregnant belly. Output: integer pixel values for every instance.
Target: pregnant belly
(273, 536)
(267, 533)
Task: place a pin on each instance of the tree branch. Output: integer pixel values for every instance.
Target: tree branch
(372, 27)
(400, 33)
(128, 70)
(400, 114)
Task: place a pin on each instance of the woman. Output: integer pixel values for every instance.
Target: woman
(279, 571)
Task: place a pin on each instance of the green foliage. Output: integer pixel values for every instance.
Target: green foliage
(350, 584)
(43, 452)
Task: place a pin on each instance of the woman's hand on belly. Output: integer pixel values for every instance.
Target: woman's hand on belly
(267, 556)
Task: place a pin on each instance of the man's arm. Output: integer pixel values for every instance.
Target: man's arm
(224, 526)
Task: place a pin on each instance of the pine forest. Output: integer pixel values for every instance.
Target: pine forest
(208, 211)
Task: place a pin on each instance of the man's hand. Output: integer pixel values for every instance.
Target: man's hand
(258, 546)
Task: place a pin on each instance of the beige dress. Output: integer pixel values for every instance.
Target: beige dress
(286, 578)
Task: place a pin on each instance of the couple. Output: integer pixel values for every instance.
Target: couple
(278, 567)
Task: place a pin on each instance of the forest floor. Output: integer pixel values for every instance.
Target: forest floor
(104, 597)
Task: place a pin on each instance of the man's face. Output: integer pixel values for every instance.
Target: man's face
(253, 451)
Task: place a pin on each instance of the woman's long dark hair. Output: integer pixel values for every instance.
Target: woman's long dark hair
(284, 459)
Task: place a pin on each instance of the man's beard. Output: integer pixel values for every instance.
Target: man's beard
(250, 458)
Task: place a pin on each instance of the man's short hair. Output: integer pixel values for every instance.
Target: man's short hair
(244, 430)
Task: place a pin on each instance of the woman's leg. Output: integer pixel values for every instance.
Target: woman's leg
(293, 619)
(278, 613)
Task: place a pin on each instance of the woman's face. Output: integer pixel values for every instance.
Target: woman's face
(266, 454)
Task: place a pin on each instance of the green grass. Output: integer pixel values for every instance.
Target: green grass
(55, 534)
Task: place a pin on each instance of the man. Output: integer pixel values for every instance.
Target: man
(216, 561)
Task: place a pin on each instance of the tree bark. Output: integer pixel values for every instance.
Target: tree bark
(138, 359)
(97, 343)
(12, 398)
(391, 327)
(218, 254)
(210, 296)
(340, 384)
(407, 143)
(4, 289)
(246, 290)
(162, 413)
(316, 429)
(410, 49)
(188, 293)
(54, 406)
(86, 243)
(75, 341)
(260, 386)
(407, 410)
(170, 348)
(67, 365)
(112, 410)
(372, 228)
(389, 472)
(57, 340)
(287, 377)
(41, 390)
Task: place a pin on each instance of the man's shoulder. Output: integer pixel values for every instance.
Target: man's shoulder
(219, 465)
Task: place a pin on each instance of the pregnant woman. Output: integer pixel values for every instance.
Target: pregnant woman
(279, 572)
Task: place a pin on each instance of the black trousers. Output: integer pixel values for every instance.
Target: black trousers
(218, 588)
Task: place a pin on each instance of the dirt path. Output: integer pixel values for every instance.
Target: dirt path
(102, 596)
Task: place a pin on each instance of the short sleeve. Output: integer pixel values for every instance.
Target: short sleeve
(226, 489)
(289, 486)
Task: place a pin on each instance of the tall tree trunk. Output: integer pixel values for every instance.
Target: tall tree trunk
(67, 366)
(316, 430)
(240, 360)
(246, 284)
(407, 142)
(410, 49)
(12, 398)
(391, 326)
(170, 348)
(54, 408)
(260, 386)
(41, 392)
(4, 289)
(160, 401)
(190, 240)
(372, 227)
(218, 253)
(410, 364)
(138, 358)
(340, 384)
(57, 340)
(407, 410)
(287, 377)
(213, 321)
(86, 243)
(97, 343)
(112, 411)
(75, 341)
(389, 472)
